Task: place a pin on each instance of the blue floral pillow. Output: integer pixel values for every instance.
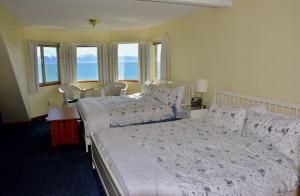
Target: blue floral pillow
(277, 132)
(228, 117)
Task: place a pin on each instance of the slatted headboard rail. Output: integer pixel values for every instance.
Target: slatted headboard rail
(230, 98)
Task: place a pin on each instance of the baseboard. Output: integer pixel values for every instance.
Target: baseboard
(43, 117)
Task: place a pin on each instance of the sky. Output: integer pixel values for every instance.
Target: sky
(82, 51)
(130, 49)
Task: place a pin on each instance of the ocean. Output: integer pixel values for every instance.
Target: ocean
(89, 71)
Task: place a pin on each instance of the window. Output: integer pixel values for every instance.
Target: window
(157, 60)
(128, 62)
(87, 63)
(48, 66)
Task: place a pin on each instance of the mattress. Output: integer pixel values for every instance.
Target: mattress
(200, 159)
(105, 112)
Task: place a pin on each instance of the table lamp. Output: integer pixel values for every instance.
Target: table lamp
(201, 86)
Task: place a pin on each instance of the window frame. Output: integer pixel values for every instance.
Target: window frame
(133, 81)
(87, 45)
(44, 83)
(155, 43)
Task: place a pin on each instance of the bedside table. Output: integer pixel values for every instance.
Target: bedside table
(195, 113)
(199, 113)
(63, 125)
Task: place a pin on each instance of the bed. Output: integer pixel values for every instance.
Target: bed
(159, 101)
(188, 157)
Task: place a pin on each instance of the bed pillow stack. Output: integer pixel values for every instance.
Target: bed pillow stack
(277, 131)
(172, 97)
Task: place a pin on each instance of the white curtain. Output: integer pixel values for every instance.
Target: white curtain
(63, 64)
(33, 73)
(71, 61)
(144, 61)
(103, 64)
(165, 58)
(113, 62)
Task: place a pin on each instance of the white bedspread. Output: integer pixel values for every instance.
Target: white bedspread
(137, 175)
(203, 160)
(105, 112)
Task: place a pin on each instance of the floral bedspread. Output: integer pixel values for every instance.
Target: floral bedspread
(206, 160)
(106, 112)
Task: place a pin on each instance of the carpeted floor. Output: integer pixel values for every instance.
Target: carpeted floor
(30, 166)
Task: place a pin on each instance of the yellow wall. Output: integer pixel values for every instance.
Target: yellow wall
(13, 65)
(252, 48)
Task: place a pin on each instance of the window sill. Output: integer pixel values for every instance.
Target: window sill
(49, 84)
(133, 81)
(85, 81)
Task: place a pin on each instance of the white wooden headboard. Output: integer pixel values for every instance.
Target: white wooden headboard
(171, 84)
(224, 97)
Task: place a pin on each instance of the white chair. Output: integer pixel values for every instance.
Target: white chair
(71, 93)
(114, 89)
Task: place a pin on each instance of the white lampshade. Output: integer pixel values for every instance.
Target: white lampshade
(201, 86)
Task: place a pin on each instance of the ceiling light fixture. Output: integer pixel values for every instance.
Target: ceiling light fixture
(93, 21)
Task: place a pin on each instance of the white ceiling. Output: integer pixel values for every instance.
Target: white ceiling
(114, 14)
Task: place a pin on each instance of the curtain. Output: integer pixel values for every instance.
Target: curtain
(62, 64)
(144, 61)
(113, 62)
(71, 61)
(33, 73)
(165, 58)
(103, 64)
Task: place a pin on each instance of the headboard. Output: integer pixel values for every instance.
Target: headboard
(224, 97)
(171, 84)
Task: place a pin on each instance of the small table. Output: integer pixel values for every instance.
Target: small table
(195, 112)
(64, 125)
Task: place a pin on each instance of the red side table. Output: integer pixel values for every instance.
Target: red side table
(64, 125)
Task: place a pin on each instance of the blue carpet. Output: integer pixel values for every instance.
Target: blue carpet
(30, 166)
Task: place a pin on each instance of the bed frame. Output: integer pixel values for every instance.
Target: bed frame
(236, 99)
(110, 182)
(168, 84)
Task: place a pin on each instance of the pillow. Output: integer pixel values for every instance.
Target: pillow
(147, 88)
(279, 132)
(165, 95)
(228, 117)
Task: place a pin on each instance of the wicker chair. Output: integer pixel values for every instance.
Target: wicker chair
(71, 93)
(114, 89)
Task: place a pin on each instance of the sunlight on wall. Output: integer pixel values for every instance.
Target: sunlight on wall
(251, 48)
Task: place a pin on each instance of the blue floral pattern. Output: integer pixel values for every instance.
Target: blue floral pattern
(231, 118)
(137, 108)
(277, 131)
(208, 160)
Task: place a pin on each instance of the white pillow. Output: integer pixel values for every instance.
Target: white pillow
(228, 117)
(147, 87)
(279, 132)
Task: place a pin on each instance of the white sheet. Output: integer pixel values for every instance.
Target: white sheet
(137, 175)
(204, 160)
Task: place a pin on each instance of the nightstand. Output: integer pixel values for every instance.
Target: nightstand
(63, 125)
(195, 113)
(199, 113)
